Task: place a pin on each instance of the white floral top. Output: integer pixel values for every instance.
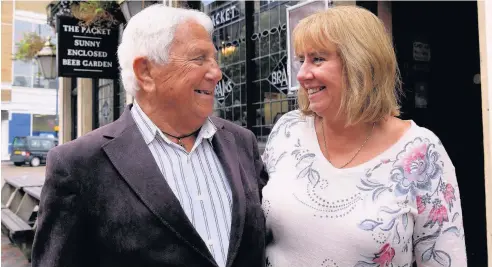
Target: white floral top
(400, 207)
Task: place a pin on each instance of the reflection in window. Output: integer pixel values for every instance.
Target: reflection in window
(20, 28)
(269, 92)
(43, 125)
(229, 39)
(122, 96)
(27, 73)
(105, 101)
(46, 144)
(270, 96)
(35, 144)
(19, 142)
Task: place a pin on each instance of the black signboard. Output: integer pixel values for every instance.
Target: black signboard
(87, 52)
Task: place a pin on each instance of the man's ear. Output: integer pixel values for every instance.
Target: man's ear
(142, 67)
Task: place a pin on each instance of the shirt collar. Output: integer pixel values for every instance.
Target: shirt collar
(149, 130)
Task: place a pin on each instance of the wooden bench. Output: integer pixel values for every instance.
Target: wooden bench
(19, 232)
(12, 192)
(13, 226)
(20, 199)
(28, 206)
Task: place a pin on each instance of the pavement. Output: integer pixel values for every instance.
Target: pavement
(11, 255)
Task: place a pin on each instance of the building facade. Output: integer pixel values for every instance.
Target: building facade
(446, 65)
(28, 100)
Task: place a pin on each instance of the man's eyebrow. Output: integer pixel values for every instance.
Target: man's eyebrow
(203, 51)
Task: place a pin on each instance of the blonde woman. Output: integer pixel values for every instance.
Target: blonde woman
(350, 183)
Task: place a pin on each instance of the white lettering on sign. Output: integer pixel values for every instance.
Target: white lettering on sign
(225, 15)
(71, 62)
(71, 28)
(98, 31)
(87, 43)
(223, 88)
(86, 53)
(279, 77)
(90, 63)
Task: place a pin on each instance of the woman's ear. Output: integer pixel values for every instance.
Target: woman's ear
(142, 68)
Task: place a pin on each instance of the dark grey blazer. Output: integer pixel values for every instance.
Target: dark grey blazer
(106, 203)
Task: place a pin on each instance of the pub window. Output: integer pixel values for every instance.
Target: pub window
(270, 85)
(105, 101)
(269, 90)
(228, 38)
(122, 97)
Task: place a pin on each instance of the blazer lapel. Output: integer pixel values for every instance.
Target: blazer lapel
(225, 148)
(132, 158)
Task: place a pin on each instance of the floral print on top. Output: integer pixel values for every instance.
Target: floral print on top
(401, 207)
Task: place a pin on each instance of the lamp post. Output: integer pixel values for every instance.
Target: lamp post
(46, 59)
(131, 7)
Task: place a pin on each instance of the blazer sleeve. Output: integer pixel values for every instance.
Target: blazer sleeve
(261, 173)
(59, 239)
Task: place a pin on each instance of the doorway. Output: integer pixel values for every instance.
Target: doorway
(438, 53)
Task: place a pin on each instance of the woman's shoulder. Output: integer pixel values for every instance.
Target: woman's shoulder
(420, 132)
(291, 115)
(419, 138)
(290, 119)
(409, 130)
(288, 124)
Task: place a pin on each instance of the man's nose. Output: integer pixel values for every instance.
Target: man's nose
(304, 73)
(214, 73)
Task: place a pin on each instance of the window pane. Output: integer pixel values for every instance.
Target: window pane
(40, 82)
(105, 101)
(35, 143)
(23, 81)
(46, 144)
(20, 28)
(19, 142)
(27, 74)
(22, 68)
(122, 95)
(43, 124)
(45, 30)
(22, 73)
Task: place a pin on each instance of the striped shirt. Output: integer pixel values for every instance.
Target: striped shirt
(196, 179)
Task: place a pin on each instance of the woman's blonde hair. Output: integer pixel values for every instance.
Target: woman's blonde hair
(371, 83)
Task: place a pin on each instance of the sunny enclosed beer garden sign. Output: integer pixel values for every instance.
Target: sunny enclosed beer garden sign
(86, 51)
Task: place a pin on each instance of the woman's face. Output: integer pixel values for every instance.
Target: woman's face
(321, 77)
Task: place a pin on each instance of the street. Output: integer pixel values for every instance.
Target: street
(11, 255)
(9, 170)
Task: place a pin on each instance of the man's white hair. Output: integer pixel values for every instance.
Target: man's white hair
(149, 34)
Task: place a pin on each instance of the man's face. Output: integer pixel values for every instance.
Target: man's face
(186, 83)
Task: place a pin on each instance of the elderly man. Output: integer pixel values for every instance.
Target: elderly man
(165, 184)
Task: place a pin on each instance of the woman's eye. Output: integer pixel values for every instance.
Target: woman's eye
(318, 60)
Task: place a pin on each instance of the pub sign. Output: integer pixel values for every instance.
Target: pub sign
(87, 52)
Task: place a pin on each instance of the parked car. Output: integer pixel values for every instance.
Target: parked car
(31, 149)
